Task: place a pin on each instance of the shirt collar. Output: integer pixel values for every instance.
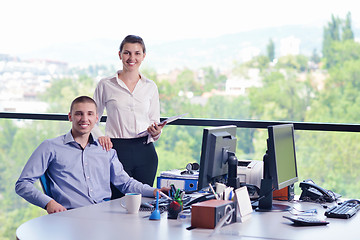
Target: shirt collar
(70, 139)
(122, 84)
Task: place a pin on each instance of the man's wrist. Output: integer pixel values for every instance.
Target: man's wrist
(46, 206)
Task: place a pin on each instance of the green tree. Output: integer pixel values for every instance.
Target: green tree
(186, 81)
(331, 34)
(24, 140)
(342, 52)
(184, 147)
(297, 62)
(150, 73)
(213, 80)
(260, 62)
(333, 37)
(20, 138)
(7, 133)
(329, 159)
(315, 56)
(347, 33)
(271, 50)
(63, 91)
(282, 97)
(339, 101)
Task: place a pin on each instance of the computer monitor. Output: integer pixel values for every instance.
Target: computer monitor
(218, 144)
(280, 169)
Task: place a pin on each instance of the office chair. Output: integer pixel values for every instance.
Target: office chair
(45, 181)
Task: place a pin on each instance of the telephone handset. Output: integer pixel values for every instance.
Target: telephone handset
(313, 192)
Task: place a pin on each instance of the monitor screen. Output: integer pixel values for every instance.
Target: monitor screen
(217, 143)
(282, 145)
(280, 169)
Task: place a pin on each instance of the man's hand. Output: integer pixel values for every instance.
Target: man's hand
(163, 189)
(54, 207)
(105, 142)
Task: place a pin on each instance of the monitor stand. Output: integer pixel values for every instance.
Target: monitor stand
(274, 208)
(266, 199)
(233, 180)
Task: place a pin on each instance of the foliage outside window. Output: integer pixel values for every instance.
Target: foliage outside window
(292, 88)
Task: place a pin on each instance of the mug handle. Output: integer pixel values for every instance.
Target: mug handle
(122, 203)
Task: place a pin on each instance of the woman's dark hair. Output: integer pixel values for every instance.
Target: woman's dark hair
(133, 39)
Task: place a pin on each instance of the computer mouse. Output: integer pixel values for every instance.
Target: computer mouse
(356, 201)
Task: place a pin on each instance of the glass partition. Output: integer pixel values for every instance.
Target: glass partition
(260, 61)
(328, 158)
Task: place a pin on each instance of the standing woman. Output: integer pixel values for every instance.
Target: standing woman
(132, 104)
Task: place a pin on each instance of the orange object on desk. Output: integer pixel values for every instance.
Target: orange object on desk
(284, 194)
(208, 213)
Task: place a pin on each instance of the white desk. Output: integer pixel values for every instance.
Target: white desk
(109, 220)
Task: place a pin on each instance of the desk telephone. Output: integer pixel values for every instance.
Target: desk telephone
(313, 192)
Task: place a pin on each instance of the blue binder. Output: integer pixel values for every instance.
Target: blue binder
(181, 183)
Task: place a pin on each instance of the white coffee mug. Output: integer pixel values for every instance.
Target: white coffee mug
(131, 202)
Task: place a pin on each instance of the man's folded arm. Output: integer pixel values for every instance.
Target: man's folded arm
(26, 189)
(33, 169)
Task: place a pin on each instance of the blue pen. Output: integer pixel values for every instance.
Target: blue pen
(172, 191)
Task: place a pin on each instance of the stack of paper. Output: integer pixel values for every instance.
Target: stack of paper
(176, 173)
(166, 121)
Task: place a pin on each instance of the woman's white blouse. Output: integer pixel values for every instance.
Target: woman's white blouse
(128, 113)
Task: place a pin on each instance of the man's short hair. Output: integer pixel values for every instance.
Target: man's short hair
(82, 99)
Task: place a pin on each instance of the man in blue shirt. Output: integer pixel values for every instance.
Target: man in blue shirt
(79, 169)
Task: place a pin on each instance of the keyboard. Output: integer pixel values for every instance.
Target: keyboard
(150, 209)
(344, 210)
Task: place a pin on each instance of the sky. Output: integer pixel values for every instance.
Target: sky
(31, 24)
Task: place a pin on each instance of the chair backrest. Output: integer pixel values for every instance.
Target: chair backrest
(45, 184)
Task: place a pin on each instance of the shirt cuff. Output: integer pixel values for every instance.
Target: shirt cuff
(148, 191)
(153, 139)
(44, 200)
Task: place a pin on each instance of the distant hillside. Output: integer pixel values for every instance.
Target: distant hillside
(194, 53)
(222, 51)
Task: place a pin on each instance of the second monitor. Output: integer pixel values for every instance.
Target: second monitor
(280, 168)
(218, 145)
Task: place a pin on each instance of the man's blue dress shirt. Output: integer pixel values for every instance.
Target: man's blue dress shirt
(78, 177)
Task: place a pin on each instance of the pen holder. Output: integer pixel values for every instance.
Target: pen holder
(175, 207)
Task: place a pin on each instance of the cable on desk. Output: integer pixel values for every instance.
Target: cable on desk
(264, 196)
(310, 212)
(320, 200)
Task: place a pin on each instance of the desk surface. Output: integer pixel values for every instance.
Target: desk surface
(109, 220)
